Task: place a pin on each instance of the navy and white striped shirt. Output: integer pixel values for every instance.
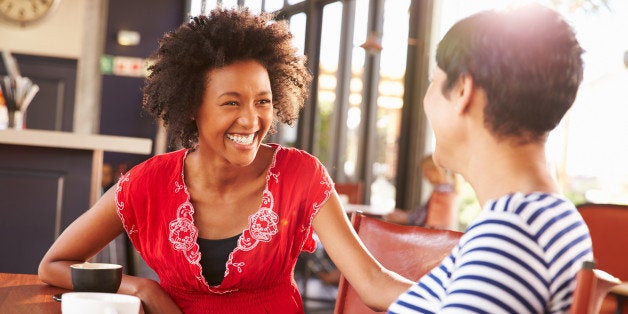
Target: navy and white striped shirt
(520, 255)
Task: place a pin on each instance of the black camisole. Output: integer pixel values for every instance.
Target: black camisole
(214, 255)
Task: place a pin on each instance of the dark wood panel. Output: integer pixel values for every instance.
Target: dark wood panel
(42, 190)
(30, 222)
(53, 107)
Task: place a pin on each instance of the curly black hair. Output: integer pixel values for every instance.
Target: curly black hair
(176, 84)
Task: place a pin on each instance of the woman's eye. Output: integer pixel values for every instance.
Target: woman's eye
(230, 103)
(265, 101)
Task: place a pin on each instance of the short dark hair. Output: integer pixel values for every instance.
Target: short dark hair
(175, 87)
(526, 59)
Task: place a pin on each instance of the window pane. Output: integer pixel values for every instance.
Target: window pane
(209, 5)
(390, 100)
(589, 147)
(254, 5)
(298, 23)
(195, 7)
(354, 115)
(228, 4)
(273, 5)
(288, 134)
(328, 65)
(198, 7)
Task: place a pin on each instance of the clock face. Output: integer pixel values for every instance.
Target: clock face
(24, 12)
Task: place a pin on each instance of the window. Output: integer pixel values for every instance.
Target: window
(389, 102)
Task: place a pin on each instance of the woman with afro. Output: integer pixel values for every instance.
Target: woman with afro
(223, 219)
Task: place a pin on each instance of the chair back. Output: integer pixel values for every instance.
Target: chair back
(352, 190)
(609, 233)
(592, 286)
(608, 225)
(410, 251)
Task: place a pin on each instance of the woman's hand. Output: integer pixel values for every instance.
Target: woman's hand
(154, 298)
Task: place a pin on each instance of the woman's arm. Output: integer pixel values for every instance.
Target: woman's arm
(83, 239)
(377, 286)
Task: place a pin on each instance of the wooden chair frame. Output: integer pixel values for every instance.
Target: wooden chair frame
(592, 286)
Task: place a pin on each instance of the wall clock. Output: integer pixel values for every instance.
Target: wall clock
(26, 12)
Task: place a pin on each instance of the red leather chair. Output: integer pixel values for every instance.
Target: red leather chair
(608, 225)
(411, 251)
(592, 286)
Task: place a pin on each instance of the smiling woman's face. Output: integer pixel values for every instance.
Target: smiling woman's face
(236, 113)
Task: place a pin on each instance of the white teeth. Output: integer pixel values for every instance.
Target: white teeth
(241, 139)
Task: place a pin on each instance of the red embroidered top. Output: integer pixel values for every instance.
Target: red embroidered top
(155, 209)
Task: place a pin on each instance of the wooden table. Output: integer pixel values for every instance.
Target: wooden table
(25, 293)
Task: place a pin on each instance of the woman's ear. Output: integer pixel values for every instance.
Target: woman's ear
(463, 92)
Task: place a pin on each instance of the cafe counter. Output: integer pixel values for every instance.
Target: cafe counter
(47, 179)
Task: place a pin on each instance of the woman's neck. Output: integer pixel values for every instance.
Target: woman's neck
(221, 176)
(494, 171)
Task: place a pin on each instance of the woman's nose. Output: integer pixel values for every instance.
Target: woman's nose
(249, 117)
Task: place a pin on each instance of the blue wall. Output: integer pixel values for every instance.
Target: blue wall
(121, 112)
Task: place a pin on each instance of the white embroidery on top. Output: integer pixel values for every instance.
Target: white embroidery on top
(262, 224)
(178, 187)
(262, 228)
(183, 233)
(120, 205)
(326, 182)
(274, 176)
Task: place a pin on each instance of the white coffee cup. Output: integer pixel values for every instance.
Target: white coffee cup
(99, 303)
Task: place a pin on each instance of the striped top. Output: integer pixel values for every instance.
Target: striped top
(520, 255)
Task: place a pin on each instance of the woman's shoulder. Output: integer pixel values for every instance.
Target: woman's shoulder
(293, 166)
(165, 158)
(292, 155)
(153, 176)
(535, 220)
(530, 204)
(158, 164)
(536, 213)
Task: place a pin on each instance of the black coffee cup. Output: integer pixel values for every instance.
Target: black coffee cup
(96, 277)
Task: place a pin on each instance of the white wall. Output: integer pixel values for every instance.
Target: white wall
(58, 35)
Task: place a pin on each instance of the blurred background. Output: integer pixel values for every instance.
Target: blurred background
(371, 61)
